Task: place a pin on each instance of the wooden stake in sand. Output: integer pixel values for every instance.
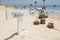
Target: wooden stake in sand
(19, 24)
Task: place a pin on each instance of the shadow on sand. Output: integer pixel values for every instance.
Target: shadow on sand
(16, 33)
(56, 29)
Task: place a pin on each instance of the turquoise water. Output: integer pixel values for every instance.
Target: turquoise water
(47, 8)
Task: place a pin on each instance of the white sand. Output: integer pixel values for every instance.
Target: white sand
(33, 32)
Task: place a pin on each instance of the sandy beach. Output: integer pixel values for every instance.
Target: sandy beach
(32, 32)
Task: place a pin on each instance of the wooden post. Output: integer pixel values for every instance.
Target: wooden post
(6, 12)
(6, 15)
(18, 25)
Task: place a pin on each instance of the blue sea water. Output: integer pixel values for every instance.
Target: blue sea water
(49, 7)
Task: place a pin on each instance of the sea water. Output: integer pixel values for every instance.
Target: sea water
(49, 7)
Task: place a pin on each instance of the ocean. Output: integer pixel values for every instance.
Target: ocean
(49, 7)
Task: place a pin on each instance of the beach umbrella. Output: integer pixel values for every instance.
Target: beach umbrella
(35, 3)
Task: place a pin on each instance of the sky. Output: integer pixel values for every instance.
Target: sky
(40, 2)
